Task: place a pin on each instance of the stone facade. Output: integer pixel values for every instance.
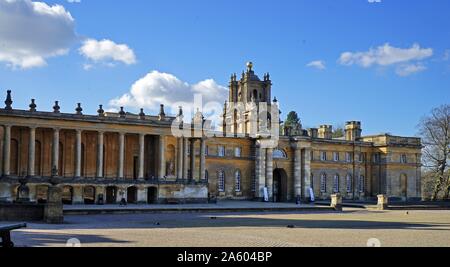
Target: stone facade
(108, 157)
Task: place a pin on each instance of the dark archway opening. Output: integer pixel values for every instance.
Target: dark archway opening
(111, 195)
(152, 195)
(132, 195)
(280, 192)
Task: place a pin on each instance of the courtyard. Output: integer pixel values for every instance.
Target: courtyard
(353, 227)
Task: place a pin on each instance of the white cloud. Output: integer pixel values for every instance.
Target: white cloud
(446, 56)
(157, 88)
(318, 64)
(374, 1)
(406, 70)
(387, 55)
(74, 1)
(107, 51)
(31, 32)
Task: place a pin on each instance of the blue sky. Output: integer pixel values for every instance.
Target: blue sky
(198, 40)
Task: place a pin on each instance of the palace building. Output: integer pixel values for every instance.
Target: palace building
(107, 157)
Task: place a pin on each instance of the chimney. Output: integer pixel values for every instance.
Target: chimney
(326, 131)
(353, 130)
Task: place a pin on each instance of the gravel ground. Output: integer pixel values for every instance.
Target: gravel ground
(353, 227)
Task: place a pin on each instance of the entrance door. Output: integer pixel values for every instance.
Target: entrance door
(111, 195)
(132, 195)
(280, 186)
(152, 195)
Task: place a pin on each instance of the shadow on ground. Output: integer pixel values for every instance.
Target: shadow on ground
(40, 239)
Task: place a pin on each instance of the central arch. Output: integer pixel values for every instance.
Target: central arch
(132, 195)
(280, 188)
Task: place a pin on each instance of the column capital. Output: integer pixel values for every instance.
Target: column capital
(56, 129)
(79, 131)
(32, 127)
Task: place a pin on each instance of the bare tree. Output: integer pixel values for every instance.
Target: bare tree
(435, 132)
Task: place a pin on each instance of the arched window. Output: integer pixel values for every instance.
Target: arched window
(349, 183)
(221, 181)
(336, 183)
(279, 154)
(323, 183)
(237, 181)
(362, 182)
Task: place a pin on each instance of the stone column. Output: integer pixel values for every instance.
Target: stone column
(162, 156)
(121, 155)
(298, 172)
(202, 159)
(269, 172)
(7, 151)
(100, 154)
(141, 156)
(53, 211)
(185, 158)
(192, 176)
(180, 158)
(55, 146)
(31, 151)
(307, 183)
(78, 155)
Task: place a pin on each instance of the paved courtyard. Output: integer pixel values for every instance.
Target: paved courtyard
(353, 227)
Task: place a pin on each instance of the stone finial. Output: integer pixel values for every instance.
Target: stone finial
(180, 111)
(56, 107)
(142, 114)
(268, 76)
(122, 113)
(8, 101)
(249, 66)
(32, 105)
(79, 109)
(275, 100)
(100, 111)
(162, 114)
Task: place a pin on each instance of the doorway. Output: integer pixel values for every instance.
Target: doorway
(111, 195)
(132, 195)
(152, 195)
(280, 193)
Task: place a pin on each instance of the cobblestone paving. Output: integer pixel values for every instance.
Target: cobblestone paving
(353, 227)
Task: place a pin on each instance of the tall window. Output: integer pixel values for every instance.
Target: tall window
(253, 181)
(362, 182)
(221, 151)
(237, 152)
(312, 181)
(207, 151)
(323, 155)
(336, 156)
(403, 159)
(237, 183)
(221, 181)
(349, 183)
(336, 183)
(376, 158)
(206, 175)
(361, 157)
(323, 183)
(348, 157)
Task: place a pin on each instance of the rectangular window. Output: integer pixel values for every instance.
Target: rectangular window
(237, 152)
(336, 156)
(221, 151)
(323, 155)
(207, 151)
(361, 157)
(348, 157)
(403, 159)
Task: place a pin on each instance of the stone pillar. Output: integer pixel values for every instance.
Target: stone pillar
(78, 155)
(121, 155)
(202, 159)
(258, 187)
(55, 146)
(100, 154)
(269, 172)
(141, 156)
(7, 151)
(53, 211)
(336, 202)
(307, 183)
(180, 158)
(31, 151)
(162, 156)
(383, 202)
(298, 172)
(185, 158)
(192, 176)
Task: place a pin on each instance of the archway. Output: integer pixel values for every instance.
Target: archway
(111, 195)
(280, 192)
(67, 195)
(89, 195)
(132, 195)
(152, 195)
(404, 185)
